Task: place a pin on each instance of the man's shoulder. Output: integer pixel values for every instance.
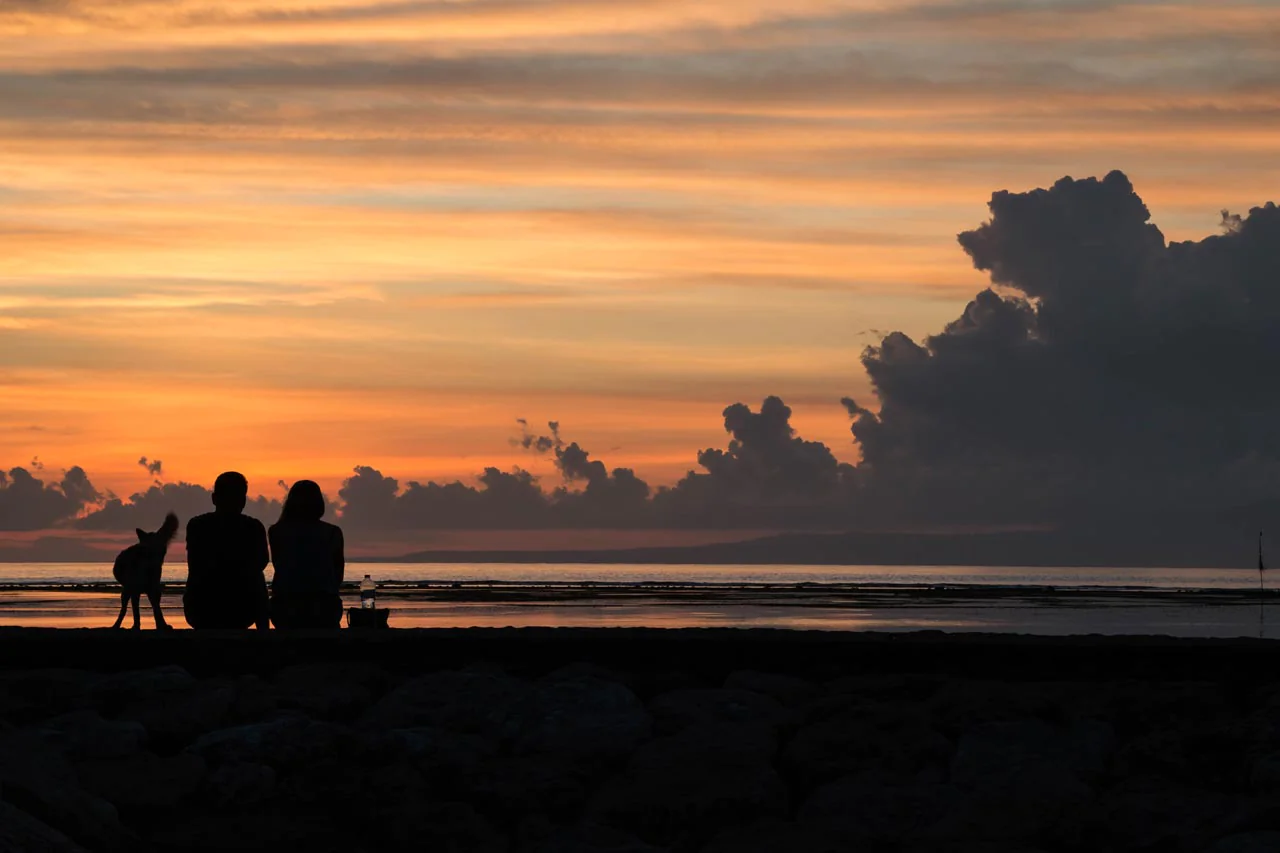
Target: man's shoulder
(214, 519)
(200, 521)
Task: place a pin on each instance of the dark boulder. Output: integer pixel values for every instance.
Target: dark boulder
(286, 742)
(680, 709)
(690, 785)
(469, 701)
(143, 780)
(38, 779)
(85, 734)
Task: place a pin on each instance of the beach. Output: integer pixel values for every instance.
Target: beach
(636, 740)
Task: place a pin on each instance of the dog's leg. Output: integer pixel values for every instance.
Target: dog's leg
(153, 595)
(135, 598)
(124, 607)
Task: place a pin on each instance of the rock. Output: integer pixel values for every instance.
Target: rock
(85, 734)
(578, 718)
(867, 809)
(38, 779)
(1150, 812)
(238, 784)
(21, 833)
(680, 709)
(1248, 842)
(176, 718)
(877, 738)
(592, 838)
(469, 701)
(1144, 706)
(269, 828)
(119, 688)
(774, 836)
(1264, 773)
(339, 691)
(1215, 754)
(286, 742)
(254, 702)
(1030, 803)
(144, 780)
(32, 695)
(893, 688)
(692, 784)
(515, 788)
(959, 705)
(786, 689)
(444, 827)
(446, 759)
(993, 750)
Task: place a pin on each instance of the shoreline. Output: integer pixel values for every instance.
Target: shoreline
(803, 653)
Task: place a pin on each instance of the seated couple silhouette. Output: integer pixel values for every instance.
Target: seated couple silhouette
(227, 553)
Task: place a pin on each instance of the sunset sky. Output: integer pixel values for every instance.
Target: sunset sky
(294, 236)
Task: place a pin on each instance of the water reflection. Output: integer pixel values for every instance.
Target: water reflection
(1191, 616)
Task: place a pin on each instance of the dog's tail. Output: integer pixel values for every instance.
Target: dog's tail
(170, 527)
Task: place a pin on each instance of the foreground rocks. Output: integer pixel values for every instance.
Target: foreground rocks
(577, 757)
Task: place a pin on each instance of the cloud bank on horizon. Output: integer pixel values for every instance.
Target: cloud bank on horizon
(1106, 375)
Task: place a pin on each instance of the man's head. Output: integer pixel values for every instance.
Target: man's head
(230, 492)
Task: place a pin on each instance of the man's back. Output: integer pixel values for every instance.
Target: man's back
(226, 555)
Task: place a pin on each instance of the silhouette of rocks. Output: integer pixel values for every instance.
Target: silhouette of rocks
(993, 750)
(688, 785)
(470, 701)
(329, 691)
(173, 718)
(680, 709)
(1248, 842)
(143, 780)
(786, 689)
(289, 741)
(279, 743)
(582, 718)
(41, 781)
(879, 736)
(239, 784)
(30, 695)
(774, 835)
(863, 809)
(20, 832)
(85, 734)
(591, 838)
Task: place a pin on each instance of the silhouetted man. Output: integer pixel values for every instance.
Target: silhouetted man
(226, 555)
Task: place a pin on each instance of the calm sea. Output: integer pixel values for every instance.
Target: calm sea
(1181, 602)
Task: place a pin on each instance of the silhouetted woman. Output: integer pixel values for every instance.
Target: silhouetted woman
(307, 555)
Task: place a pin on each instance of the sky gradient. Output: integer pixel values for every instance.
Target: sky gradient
(293, 237)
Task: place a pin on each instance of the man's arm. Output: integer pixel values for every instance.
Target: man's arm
(339, 559)
(198, 557)
(260, 556)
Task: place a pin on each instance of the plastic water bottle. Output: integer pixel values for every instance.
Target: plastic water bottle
(368, 593)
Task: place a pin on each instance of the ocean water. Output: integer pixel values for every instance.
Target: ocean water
(1052, 601)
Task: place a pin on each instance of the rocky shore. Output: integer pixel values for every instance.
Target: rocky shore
(712, 741)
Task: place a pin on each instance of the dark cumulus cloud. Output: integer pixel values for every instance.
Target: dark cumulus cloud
(28, 502)
(154, 467)
(1108, 375)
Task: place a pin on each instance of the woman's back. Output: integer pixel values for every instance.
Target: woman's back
(307, 556)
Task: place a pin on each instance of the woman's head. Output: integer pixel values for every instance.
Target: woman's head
(305, 502)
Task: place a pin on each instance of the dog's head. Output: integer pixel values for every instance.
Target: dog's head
(158, 542)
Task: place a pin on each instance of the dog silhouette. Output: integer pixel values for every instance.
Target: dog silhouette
(138, 568)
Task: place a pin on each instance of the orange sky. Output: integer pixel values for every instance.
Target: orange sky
(293, 236)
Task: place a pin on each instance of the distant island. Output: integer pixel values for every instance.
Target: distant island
(1165, 545)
